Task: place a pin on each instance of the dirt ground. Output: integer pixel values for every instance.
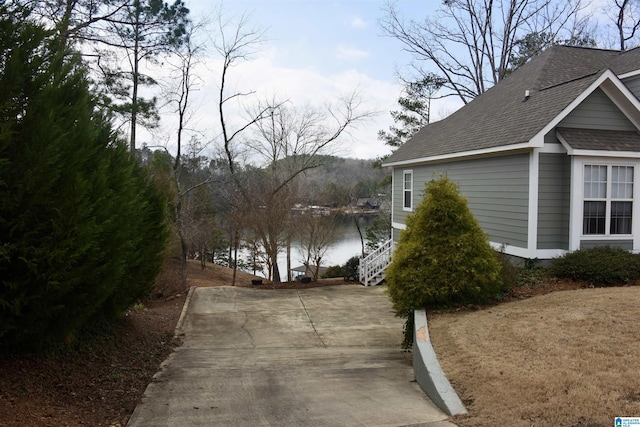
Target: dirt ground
(100, 383)
(567, 358)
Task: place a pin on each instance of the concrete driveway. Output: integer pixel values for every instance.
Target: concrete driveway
(317, 357)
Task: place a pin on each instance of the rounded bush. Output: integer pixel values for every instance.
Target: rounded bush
(351, 271)
(601, 266)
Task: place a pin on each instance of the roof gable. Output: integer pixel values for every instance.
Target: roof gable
(503, 118)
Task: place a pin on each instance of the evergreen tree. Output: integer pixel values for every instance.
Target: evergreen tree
(81, 228)
(443, 256)
(143, 30)
(415, 110)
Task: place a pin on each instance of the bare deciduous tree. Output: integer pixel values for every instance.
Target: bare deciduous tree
(470, 42)
(317, 233)
(285, 143)
(193, 214)
(626, 16)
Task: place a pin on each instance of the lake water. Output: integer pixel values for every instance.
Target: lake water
(346, 246)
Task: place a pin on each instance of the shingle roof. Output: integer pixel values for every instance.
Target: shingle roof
(502, 116)
(595, 139)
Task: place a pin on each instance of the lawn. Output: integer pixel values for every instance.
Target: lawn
(567, 358)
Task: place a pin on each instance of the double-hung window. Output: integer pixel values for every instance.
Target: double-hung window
(407, 190)
(608, 200)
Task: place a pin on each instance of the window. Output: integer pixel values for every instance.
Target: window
(608, 200)
(407, 191)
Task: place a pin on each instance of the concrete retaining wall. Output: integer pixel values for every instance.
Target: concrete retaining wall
(427, 369)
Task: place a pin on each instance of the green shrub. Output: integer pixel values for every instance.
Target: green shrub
(81, 227)
(334, 271)
(443, 257)
(602, 266)
(351, 268)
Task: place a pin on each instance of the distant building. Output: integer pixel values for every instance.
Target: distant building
(368, 204)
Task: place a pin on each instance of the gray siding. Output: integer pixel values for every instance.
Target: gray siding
(633, 83)
(497, 190)
(398, 194)
(597, 112)
(554, 190)
(627, 245)
(395, 235)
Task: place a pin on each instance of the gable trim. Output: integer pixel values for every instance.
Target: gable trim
(611, 89)
(460, 155)
(629, 74)
(606, 76)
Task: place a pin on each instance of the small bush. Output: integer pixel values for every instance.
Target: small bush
(600, 266)
(334, 271)
(351, 268)
(443, 257)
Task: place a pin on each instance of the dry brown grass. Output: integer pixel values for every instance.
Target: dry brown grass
(569, 358)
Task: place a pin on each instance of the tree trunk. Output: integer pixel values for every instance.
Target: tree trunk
(356, 218)
(316, 270)
(235, 258)
(203, 258)
(183, 242)
(134, 96)
(276, 269)
(289, 278)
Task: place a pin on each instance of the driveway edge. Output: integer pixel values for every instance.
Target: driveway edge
(177, 332)
(428, 372)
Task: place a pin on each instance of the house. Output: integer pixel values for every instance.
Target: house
(549, 158)
(368, 204)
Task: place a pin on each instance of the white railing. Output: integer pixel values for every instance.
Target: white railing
(372, 266)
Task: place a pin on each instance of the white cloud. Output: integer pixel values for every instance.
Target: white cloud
(357, 23)
(265, 79)
(351, 53)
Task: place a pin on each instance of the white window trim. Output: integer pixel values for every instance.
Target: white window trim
(404, 174)
(576, 235)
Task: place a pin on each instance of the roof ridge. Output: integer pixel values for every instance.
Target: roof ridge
(570, 80)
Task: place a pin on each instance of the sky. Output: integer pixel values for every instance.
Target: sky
(314, 52)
